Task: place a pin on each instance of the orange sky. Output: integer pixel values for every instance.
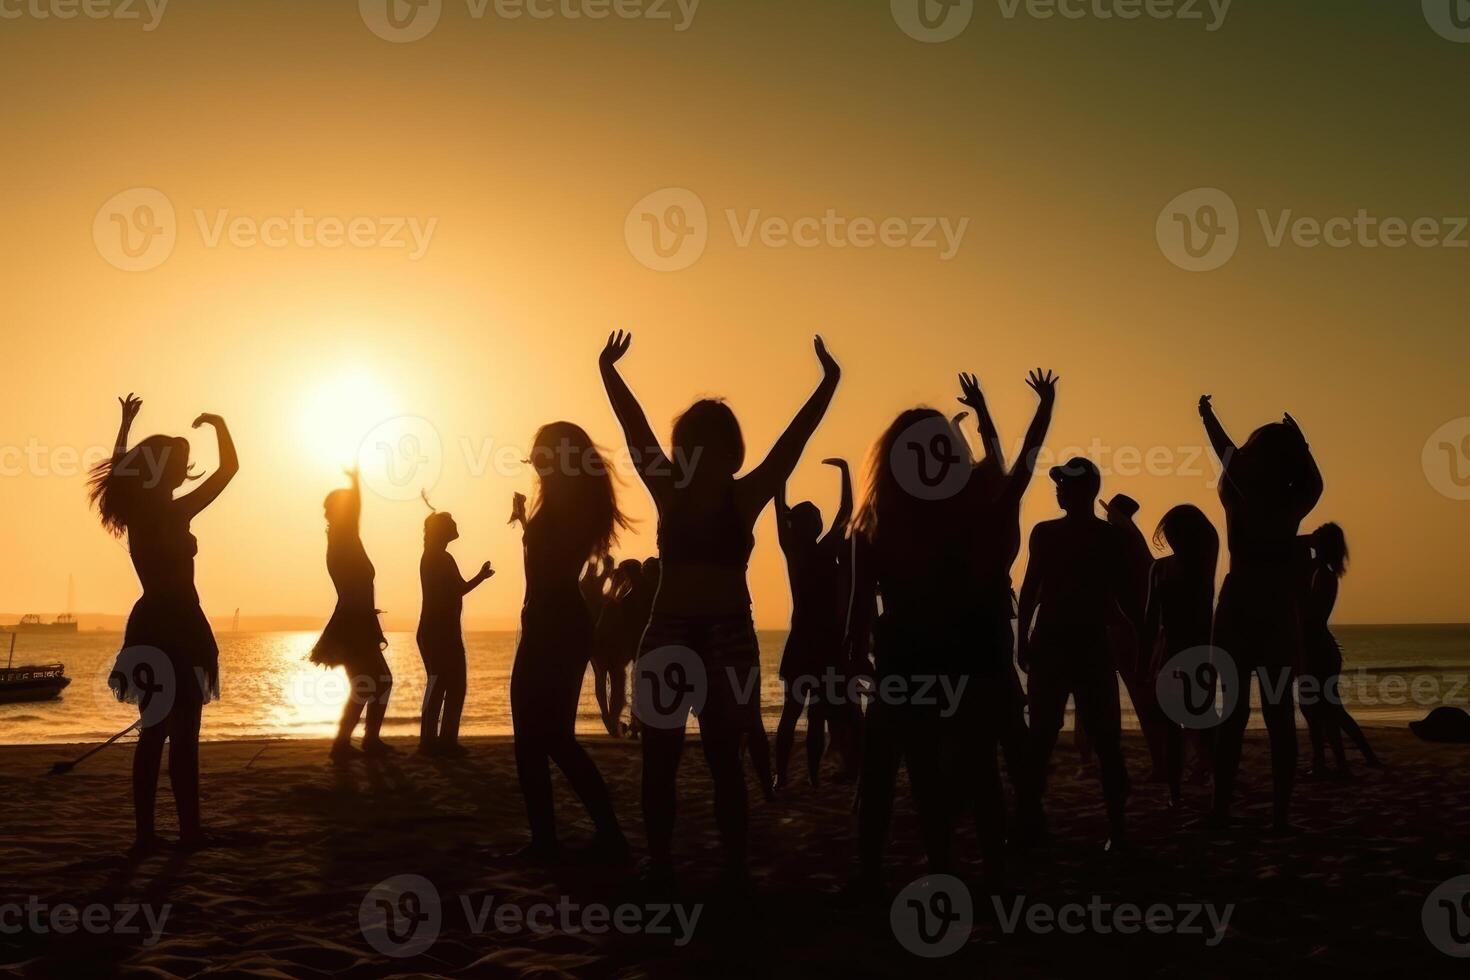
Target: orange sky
(518, 148)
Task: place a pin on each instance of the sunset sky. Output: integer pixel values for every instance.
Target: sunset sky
(518, 150)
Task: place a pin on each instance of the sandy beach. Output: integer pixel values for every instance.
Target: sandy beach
(302, 843)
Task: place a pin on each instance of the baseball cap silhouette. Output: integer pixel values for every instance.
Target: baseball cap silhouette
(1078, 470)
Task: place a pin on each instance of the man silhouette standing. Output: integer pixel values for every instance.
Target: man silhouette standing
(1077, 578)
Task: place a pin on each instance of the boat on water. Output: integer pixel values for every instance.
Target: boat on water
(34, 682)
(40, 682)
(31, 623)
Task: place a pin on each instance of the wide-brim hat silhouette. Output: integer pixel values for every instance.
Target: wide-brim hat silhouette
(1443, 724)
(1125, 505)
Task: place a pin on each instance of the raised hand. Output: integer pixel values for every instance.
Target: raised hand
(208, 418)
(836, 461)
(1205, 408)
(517, 508)
(617, 345)
(486, 571)
(970, 393)
(829, 363)
(131, 406)
(1045, 385)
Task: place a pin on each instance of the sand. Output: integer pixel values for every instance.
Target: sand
(301, 843)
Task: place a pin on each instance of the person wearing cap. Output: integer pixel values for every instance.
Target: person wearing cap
(1077, 577)
(440, 637)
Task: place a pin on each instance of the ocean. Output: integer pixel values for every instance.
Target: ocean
(1393, 674)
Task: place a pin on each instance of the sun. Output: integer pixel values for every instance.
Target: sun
(338, 412)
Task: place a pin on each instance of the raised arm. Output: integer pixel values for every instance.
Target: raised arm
(131, 406)
(838, 530)
(229, 464)
(653, 465)
(1221, 443)
(761, 484)
(783, 520)
(1045, 386)
(974, 398)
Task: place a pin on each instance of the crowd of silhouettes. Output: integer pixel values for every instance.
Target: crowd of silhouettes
(907, 643)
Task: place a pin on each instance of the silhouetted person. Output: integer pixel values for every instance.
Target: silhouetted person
(814, 567)
(706, 522)
(638, 611)
(609, 646)
(1181, 607)
(133, 492)
(441, 638)
(916, 557)
(1129, 652)
(997, 494)
(574, 520)
(1077, 577)
(1327, 717)
(1268, 486)
(353, 639)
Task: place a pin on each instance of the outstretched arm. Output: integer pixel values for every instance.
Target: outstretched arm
(229, 464)
(1045, 386)
(653, 465)
(972, 396)
(838, 531)
(468, 586)
(761, 483)
(1221, 443)
(131, 406)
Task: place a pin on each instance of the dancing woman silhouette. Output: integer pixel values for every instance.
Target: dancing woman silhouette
(815, 567)
(1181, 603)
(1268, 486)
(133, 492)
(352, 638)
(997, 494)
(706, 522)
(441, 638)
(574, 520)
(1327, 717)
